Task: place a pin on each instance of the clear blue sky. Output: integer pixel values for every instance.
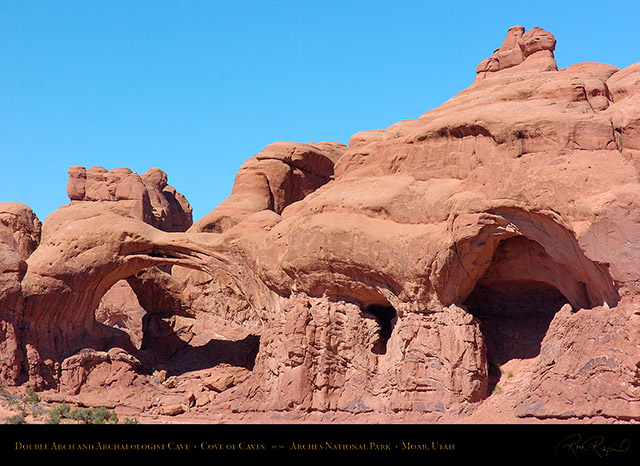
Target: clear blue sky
(197, 87)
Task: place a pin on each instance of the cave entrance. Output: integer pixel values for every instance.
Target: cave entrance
(515, 302)
(384, 315)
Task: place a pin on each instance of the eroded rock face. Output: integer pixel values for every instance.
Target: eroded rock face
(20, 232)
(23, 224)
(283, 173)
(608, 376)
(147, 196)
(533, 49)
(389, 276)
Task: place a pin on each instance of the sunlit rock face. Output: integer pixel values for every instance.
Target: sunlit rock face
(392, 276)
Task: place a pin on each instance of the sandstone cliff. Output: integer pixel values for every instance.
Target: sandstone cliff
(480, 258)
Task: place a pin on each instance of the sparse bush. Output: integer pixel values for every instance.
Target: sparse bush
(102, 416)
(32, 397)
(54, 418)
(99, 415)
(62, 410)
(16, 419)
(58, 413)
(81, 415)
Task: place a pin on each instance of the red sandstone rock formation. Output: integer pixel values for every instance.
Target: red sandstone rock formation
(147, 196)
(388, 278)
(532, 49)
(19, 236)
(283, 173)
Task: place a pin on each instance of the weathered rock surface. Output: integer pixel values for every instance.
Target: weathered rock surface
(533, 49)
(23, 224)
(394, 278)
(20, 232)
(147, 196)
(283, 173)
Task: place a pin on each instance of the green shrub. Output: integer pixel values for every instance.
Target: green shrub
(99, 415)
(32, 396)
(58, 413)
(16, 419)
(62, 410)
(54, 418)
(102, 416)
(81, 414)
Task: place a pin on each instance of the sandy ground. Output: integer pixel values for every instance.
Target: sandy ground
(498, 408)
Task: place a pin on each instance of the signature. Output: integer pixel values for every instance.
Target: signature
(597, 445)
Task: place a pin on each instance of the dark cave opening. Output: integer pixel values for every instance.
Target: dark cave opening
(384, 315)
(514, 318)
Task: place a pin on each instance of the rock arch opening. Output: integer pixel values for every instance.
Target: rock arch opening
(385, 316)
(164, 333)
(514, 269)
(120, 308)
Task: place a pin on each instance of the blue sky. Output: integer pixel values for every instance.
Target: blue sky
(197, 87)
